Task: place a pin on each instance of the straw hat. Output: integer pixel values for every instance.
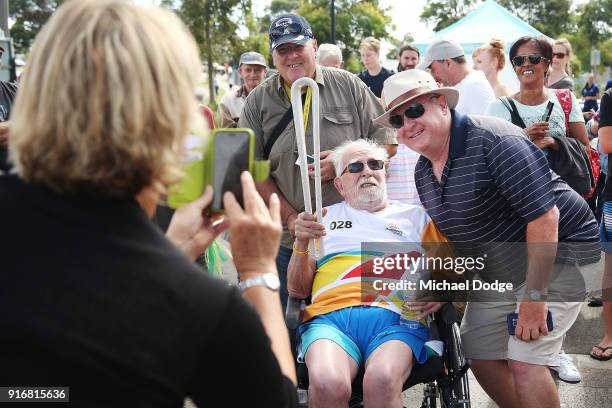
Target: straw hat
(405, 86)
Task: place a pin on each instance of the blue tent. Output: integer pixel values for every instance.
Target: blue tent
(488, 20)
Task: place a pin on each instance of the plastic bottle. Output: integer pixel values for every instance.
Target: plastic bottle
(408, 318)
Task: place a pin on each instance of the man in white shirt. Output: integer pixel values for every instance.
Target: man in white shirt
(252, 71)
(448, 65)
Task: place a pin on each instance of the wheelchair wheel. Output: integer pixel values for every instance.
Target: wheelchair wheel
(456, 393)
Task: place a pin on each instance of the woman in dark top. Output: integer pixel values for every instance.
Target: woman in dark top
(92, 295)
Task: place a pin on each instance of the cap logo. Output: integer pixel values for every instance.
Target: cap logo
(283, 22)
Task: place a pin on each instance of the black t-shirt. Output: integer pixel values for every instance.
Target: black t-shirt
(605, 115)
(95, 298)
(375, 83)
(7, 97)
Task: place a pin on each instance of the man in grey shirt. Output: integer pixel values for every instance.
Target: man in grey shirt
(347, 108)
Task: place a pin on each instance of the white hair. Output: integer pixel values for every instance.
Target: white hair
(327, 52)
(360, 144)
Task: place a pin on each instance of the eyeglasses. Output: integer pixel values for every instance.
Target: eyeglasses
(519, 60)
(357, 167)
(413, 111)
(293, 29)
(559, 55)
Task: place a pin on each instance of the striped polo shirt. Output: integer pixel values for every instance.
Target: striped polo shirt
(494, 183)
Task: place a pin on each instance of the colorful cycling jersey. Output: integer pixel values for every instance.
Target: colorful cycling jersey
(344, 264)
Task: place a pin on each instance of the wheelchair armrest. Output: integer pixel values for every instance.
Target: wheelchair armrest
(447, 314)
(294, 312)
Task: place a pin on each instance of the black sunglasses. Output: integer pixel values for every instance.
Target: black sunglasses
(293, 29)
(357, 167)
(413, 111)
(519, 60)
(559, 55)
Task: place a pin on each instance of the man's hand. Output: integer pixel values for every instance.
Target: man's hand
(307, 227)
(4, 132)
(425, 308)
(327, 167)
(191, 230)
(291, 224)
(531, 321)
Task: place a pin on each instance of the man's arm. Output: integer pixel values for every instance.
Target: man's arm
(542, 237)
(302, 267)
(288, 213)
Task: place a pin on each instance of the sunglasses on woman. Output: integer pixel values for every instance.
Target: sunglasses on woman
(414, 111)
(519, 60)
(559, 55)
(357, 167)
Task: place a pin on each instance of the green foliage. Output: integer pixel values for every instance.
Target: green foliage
(443, 13)
(355, 20)
(397, 44)
(552, 17)
(29, 17)
(210, 21)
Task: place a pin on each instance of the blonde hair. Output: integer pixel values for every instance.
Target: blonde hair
(106, 101)
(564, 42)
(371, 43)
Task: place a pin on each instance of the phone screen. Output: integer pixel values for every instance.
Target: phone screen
(231, 158)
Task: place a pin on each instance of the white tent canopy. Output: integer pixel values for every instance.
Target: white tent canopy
(489, 20)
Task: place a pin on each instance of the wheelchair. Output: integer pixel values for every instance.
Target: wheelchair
(445, 377)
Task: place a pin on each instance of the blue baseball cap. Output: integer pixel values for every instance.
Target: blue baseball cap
(289, 28)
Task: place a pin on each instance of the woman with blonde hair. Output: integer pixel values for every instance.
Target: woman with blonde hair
(94, 297)
(490, 59)
(560, 69)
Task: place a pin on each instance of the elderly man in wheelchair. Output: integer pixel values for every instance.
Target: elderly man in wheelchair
(342, 331)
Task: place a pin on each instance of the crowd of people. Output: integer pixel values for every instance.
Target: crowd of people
(97, 298)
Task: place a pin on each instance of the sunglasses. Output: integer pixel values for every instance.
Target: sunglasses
(519, 60)
(559, 55)
(357, 167)
(413, 111)
(293, 29)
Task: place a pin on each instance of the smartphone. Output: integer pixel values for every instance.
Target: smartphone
(230, 152)
(548, 111)
(309, 160)
(513, 319)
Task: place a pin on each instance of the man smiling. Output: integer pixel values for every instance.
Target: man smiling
(347, 108)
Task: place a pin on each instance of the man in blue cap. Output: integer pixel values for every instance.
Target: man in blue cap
(347, 108)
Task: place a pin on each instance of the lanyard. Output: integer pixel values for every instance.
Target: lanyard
(306, 103)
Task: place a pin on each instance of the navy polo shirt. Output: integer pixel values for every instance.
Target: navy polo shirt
(494, 183)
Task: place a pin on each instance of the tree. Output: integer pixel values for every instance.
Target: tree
(29, 16)
(397, 44)
(355, 20)
(552, 17)
(443, 13)
(211, 22)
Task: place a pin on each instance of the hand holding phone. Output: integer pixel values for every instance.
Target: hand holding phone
(512, 320)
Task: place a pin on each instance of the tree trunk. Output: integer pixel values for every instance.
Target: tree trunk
(209, 54)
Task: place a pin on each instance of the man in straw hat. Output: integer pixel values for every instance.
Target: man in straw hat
(486, 185)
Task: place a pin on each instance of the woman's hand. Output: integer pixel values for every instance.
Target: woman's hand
(546, 142)
(537, 130)
(255, 231)
(191, 230)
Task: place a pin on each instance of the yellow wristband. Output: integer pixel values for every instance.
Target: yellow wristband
(297, 251)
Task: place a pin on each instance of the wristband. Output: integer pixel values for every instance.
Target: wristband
(300, 252)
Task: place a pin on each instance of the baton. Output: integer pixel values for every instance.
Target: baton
(300, 134)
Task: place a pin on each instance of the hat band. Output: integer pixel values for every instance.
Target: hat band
(410, 94)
